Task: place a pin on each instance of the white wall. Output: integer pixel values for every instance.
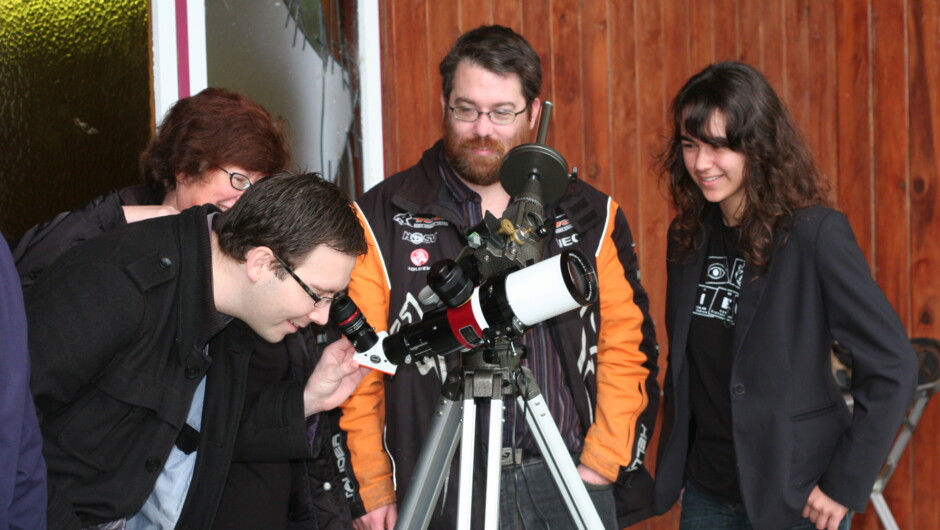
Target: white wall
(254, 46)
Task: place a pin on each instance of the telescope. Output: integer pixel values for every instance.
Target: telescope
(502, 307)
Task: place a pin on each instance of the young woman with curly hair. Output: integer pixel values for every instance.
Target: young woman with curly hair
(762, 277)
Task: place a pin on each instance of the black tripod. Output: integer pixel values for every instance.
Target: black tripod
(478, 378)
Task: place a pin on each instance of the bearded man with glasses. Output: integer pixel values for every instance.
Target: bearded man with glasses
(596, 368)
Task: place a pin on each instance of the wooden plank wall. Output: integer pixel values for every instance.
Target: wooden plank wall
(862, 78)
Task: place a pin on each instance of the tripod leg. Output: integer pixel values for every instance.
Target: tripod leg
(493, 464)
(884, 513)
(553, 450)
(467, 447)
(433, 465)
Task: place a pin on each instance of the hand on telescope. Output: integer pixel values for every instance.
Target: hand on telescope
(333, 379)
(590, 476)
(378, 519)
(822, 510)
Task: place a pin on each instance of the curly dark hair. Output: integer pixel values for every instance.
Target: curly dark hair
(779, 175)
(291, 215)
(499, 50)
(216, 127)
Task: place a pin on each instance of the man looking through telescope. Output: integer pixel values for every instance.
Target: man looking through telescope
(596, 367)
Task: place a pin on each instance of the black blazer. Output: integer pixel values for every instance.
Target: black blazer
(791, 427)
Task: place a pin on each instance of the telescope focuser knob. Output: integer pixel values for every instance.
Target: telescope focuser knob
(509, 230)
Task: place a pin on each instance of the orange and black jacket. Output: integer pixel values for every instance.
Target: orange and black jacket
(608, 350)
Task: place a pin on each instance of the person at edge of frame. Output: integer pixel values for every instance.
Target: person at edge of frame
(596, 367)
(208, 149)
(23, 481)
(762, 277)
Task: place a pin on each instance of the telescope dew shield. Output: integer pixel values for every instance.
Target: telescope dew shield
(551, 287)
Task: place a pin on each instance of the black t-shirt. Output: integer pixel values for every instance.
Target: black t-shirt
(711, 463)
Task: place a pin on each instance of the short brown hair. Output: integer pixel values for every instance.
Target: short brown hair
(499, 50)
(291, 215)
(215, 127)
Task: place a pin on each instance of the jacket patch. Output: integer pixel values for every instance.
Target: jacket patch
(563, 226)
(418, 238)
(419, 257)
(413, 221)
(567, 241)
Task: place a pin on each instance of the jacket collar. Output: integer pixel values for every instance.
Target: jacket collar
(423, 191)
(198, 319)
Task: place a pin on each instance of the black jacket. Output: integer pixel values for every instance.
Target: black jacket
(117, 332)
(315, 499)
(790, 424)
(45, 242)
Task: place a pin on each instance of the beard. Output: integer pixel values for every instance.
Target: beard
(471, 167)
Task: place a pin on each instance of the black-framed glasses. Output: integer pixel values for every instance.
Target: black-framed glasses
(239, 181)
(318, 301)
(499, 117)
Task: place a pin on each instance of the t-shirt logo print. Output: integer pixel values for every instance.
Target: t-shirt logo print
(718, 295)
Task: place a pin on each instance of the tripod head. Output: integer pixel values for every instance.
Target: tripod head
(498, 287)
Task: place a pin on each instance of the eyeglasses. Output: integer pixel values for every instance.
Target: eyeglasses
(499, 117)
(238, 181)
(318, 301)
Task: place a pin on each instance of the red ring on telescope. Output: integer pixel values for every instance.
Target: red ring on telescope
(462, 321)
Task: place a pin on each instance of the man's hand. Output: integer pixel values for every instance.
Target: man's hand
(333, 379)
(383, 518)
(823, 511)
(139, 213)
(590, 476)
